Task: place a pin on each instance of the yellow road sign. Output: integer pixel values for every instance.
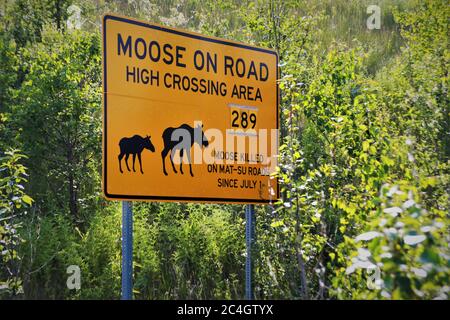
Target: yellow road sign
(187, 117)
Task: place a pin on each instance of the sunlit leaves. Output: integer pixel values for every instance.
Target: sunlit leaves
(367, 236)
(13, 204)
(58, 113)
(412, 259)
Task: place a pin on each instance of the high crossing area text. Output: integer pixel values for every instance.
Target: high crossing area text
(175, 55)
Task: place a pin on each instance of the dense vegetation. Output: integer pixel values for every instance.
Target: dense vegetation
(364, 157)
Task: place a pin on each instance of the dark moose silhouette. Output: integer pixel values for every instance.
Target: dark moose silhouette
(134, 146)
(182, 138)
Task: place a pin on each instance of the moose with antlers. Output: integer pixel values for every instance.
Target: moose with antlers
(181, 139)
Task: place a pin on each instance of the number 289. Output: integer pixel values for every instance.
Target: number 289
(243, 119)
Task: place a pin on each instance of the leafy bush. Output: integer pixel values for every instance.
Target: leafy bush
(406, 247)
(14, 204)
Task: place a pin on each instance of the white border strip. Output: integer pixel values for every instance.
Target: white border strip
(233, 105)
(241, 133)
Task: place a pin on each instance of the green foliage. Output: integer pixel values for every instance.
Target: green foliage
(192, 251)
(47, 240)
(179, 252)
(59, 123)
(25, 19)
(343, 141)
(418, 83)
(8, 78)
(98, 253)
(14, 203)
(8, 63)
(406, 243)
(53, 243)
(363, 159)
(330, 165)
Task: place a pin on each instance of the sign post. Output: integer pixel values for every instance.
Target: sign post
(127, 250)
(186, 117)
(249, 239)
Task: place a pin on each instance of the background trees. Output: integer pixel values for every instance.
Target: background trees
(364, 157)
(58, 119)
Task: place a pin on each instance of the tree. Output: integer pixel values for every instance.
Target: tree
(58, 120)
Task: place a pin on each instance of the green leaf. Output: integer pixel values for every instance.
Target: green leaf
(27, 199)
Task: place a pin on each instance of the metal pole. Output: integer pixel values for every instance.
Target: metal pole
(127, 250)
(249, 238)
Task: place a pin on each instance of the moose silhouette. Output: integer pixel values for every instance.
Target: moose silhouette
(182, 138)
(134, 146)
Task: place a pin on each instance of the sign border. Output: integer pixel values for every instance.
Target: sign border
(105, 103)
